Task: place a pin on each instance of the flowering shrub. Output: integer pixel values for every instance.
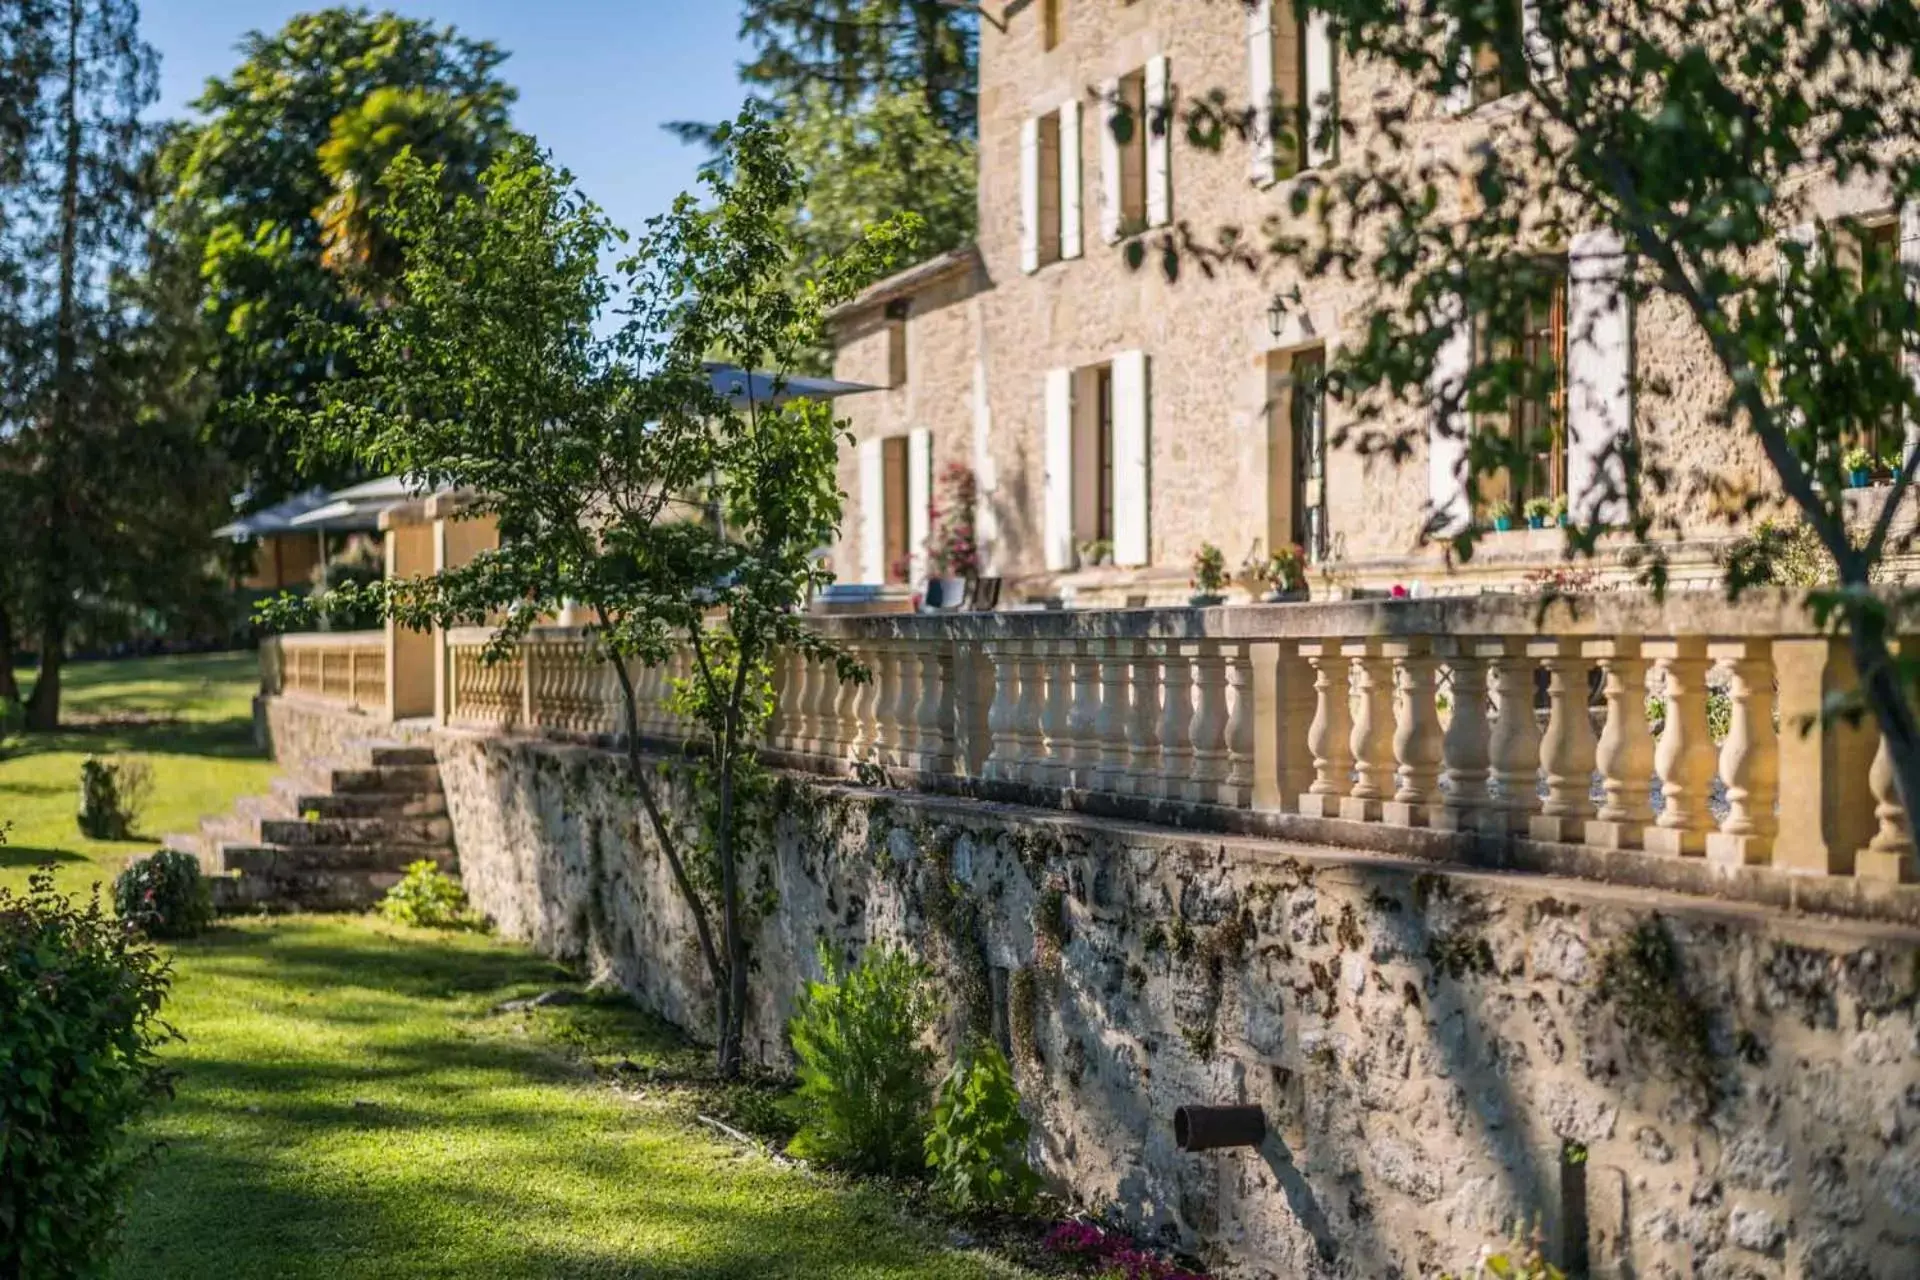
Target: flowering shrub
(952, 551)
(1106, 1255)
(1209, 570)
(165, 895)
(1284, 570)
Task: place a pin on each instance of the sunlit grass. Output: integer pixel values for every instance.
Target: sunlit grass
(190, 718)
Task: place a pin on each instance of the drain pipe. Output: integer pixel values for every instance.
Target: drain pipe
(1211, 1128)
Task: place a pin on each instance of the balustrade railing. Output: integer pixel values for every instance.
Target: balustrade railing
(344, 667)
(1587, 724)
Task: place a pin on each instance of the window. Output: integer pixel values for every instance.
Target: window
(1050, 23)
(1533, 338)
(1307, 418)
(1092, 463)
(1492, 78)
(1132, 132)
(1878, 246)
(1050, 187)
(1103, 456)
(1096, 454)
(1288, 118)
(1049, 179)
(895, 508)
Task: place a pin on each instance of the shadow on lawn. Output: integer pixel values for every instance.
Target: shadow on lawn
(230, 739)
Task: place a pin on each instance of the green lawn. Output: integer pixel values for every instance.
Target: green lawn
(348, 1104)
(189, 717)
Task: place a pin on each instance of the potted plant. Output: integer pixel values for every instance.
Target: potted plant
(1890, 463)
(952, 553)
(1560, 510)
(1538, 510)
(1858, 464)
(1502, 513)
(1096, 553)
(1209, 577)
(1285, 575)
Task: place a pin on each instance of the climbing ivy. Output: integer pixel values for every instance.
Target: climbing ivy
(1642, 982)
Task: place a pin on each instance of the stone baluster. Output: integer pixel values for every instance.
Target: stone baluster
(779, 720)
(1056, 763)
(1208, 730)
(1116, 715)
(1005, 675)
(823, 739)
(933, 722)
(1624, 755)
(1143, 721)
(1083, 716)
(859, 731)
(799, 702)
(1566, 749)
(1330, 736)
(1417, 740)
(1465, 747)
(906, 704)
(1514, 750)
(1029, 729)
(1176, 720)
(1372, 739)
(1749, 758)
(1236, 790)
(1684, 758)
(1889, 856)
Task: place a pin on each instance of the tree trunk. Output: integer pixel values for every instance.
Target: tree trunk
(1892, 711)
(9, 687)
(43, 708)
(735, 1006)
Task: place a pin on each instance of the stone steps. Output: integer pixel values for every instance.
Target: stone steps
(334, 839)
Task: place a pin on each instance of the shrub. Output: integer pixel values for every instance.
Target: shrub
(864, 1073)
(977, 1147)
(165, 895)
(1108, 1255)
(80, 996)
(429, 898)
(112, 794)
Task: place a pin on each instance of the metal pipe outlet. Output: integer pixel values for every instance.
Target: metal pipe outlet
(1210, 1128)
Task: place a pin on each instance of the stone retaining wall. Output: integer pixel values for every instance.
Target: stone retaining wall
(1673, 1087)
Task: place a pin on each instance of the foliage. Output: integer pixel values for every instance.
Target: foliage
(1688, 141)
(1110, 1256)
(1642, 981)
(1209, 570)
(277, 190)
(678, 514)
(164, 895)
(977, 1147)
(1284, 570)
(865, 1087)
(338, 592)
(1524, 1262)
(112, 795)
(429, 898)
(80, 997)
(954, 550)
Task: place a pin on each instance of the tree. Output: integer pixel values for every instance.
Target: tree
(1688, 136)
(679, 517)
(854, 50)
(278, 185)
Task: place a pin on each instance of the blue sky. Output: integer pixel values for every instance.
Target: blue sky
(597, 78)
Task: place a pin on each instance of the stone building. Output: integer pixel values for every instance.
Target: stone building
(1115, 419)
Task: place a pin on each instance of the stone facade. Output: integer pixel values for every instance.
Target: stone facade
(1219, 441)
(1667, 1087)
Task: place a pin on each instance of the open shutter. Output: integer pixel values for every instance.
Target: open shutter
(1030, 195)
(1447, 430)
(919, 498)
(1131, 436)
(1260, 69)
(1058, 529)
(1110, 163)
(1543, 62)
(1321, 91)
(1070, 216)
(1599, 378)
(873, 513)
(1159, 137)
(1910, 266)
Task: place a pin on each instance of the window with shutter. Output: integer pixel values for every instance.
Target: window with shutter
(1130, 129)
(1531, 343)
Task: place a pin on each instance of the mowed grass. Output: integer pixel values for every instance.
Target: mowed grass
(350, 1106)
(189, 717)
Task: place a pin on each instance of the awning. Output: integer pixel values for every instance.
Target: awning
(275, 519)
(738, 386)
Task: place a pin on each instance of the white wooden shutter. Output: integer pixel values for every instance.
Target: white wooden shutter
(1030, 195)
(1543, 62)
(873, 513)
(1910, 266)
(1131, 437)
(1110, 162)
(1599, 378)
(1159, 115)
(919, 498)
(1070, 216)
(1447, 429)
(1058, 525)
(1260, 165)
(1321, 91)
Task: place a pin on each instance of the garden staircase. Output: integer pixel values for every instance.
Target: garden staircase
(335, 838)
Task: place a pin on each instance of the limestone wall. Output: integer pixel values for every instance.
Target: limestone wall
(1441, 1054)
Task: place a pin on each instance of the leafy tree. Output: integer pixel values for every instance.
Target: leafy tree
(279, 184)
(854, 50)
(678, 517)
(1691, 132)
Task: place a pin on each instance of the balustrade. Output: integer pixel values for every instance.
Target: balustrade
(1459, 717)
